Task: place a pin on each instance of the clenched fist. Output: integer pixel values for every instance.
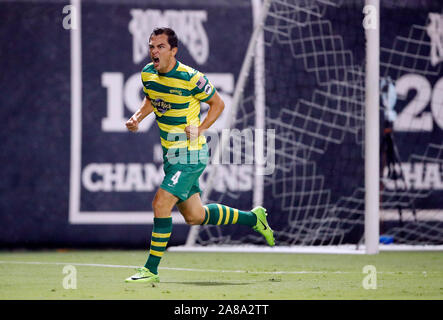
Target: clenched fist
(132, 124)
(192, 132)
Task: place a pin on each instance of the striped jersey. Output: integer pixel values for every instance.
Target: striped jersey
(176, 97)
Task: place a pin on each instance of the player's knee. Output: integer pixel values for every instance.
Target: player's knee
(155, 204)
(158, 204)
(193, 220)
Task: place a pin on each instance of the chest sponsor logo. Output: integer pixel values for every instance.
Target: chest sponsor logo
(161, 105)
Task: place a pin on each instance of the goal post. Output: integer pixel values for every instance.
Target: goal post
(372, 127)
(260, 102)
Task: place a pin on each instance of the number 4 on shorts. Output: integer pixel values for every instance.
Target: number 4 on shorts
(175, 177)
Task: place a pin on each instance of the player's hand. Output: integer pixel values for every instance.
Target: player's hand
(132, 124)
(192, 132)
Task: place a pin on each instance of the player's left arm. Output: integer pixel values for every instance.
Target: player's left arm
(216, 106)
(203, 90)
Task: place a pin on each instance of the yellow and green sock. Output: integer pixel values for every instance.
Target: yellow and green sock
(218, 214)
(161, 233)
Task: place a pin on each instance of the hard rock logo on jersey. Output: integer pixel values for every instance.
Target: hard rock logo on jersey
(161, 105)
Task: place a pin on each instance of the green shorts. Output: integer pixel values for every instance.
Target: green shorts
(181, 180)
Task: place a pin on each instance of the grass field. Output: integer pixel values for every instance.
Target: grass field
(236, 276)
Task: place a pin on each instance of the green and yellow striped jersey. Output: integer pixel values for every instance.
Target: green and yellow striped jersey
(176, 97)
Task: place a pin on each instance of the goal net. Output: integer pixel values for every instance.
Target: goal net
(307, 79)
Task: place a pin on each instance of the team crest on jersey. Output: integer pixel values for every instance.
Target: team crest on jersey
(161, 105)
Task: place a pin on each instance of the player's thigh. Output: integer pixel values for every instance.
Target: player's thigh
(163, 203)
(192, 209)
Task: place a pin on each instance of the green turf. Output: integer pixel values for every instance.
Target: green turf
(400, 275)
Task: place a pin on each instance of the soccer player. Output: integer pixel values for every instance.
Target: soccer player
(173, 91)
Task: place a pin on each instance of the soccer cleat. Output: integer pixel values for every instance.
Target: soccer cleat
(143, 275)
(262, 225)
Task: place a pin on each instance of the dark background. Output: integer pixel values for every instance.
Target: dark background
(35, 108)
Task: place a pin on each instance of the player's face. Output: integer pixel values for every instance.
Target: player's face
(161, 53)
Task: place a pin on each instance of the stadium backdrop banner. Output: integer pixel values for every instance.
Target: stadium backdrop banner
(73, 175)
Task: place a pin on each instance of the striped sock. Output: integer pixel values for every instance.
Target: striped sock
(218, 214)
(159, 239)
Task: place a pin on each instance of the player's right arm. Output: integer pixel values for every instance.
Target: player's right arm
(145, 109)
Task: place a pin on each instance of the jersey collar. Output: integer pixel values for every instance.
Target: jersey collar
(170, 72)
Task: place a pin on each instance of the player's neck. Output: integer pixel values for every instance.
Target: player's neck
(169, 67)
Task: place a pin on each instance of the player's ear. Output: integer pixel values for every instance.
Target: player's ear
(174, 51)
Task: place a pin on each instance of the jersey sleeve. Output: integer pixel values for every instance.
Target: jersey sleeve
(201, 88)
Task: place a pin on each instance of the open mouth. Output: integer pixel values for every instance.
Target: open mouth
(156, 61)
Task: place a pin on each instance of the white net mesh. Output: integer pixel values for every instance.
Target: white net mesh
(314, 86)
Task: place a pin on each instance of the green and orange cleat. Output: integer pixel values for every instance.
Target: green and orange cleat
(262, 225)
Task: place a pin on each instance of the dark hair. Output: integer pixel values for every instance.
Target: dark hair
(172, 36)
